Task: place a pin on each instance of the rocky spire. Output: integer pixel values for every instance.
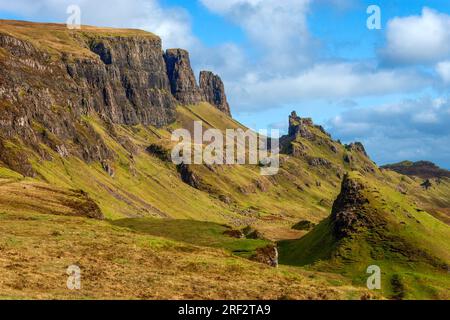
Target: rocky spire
(299, 126)
(213, 91)
(182, 80)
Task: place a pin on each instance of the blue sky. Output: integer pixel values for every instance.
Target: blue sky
(388, 88)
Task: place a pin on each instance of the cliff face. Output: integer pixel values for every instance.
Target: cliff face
(129, 84)
(213, 91)
(182, 80)
(48, 84)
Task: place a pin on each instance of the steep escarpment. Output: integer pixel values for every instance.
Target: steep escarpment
(52, 79)
(213, 91)
(182, 79)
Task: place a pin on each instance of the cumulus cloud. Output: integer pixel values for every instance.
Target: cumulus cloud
(340, 81)
(443, 69)
(173, 25)
(420, 39)
(278, 28)
(412, 129)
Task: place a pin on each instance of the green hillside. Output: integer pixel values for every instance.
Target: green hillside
(372, 224)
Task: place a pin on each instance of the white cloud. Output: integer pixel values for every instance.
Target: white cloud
(420, 39)
(410, 130)
(443, 69)
(330, 81)
(278, 28)
(173, 25)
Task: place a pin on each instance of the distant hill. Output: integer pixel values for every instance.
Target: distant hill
(422, 169)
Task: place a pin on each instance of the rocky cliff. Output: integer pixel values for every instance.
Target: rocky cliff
(48, 84)
(182, 80)
(213, 91)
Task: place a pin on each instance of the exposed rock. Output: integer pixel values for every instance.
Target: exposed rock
(299, 127)
(160, 152)
(333, 148)
(262, 184)
(43, 98)
(319, 162)
(62, 151)
(225, 199)
(234, 234)
(252, 233)
(188, 176)
(182, 79)
(347, 158)
(267, 255)
(108, 168)
(348, 210)
(130, 85)
(213, 91)
(304, 225)
(357, 147)
(298, 150)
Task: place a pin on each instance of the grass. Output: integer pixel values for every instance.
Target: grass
(199, 233)
(117, 263)
(411, 248)
(57, 38)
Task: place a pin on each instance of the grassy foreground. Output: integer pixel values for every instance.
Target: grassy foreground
(118, 263)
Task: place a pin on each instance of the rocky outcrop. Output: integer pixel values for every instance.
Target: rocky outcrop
(357, 147)
(267, 255)
(348, 212)
(304, 225)
(213, 91)
(188, 176)
(299, 127)
(182, 79)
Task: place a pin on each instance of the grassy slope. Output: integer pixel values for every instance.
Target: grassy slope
(199, 233)
(412, 250)
(56, 39)
(117, 262)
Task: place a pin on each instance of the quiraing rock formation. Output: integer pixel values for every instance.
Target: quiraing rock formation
(182, 79)
(184, 85)
(123, 76)
(213, 91)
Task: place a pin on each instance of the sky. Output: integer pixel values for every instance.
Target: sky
(388, 88)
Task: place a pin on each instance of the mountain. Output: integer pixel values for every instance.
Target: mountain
(422, 169)
(86, 178)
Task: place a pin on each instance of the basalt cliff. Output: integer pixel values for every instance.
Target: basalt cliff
(48, 85)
